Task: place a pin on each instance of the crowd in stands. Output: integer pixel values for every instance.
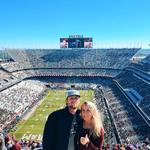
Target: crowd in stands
(6, 79)
(128, 80)
(3, 74)
(107, 122)
(146, 59)
(24, 74)
(129, 124)
(141, 66)
(18, 99)
(10, 143)
(14, 66)
(74, 58)
(65, 72)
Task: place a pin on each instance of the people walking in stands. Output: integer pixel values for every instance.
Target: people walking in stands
(90, 131)
(61, 125)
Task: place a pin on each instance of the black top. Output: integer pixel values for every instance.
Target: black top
(57, 129)
(95, 142)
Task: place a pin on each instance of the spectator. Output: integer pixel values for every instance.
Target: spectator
(90, 133)
(16, 146)
(61, 125)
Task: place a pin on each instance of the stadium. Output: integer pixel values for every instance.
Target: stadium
(33, 84)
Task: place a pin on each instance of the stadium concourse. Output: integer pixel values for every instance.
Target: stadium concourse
(121, 87)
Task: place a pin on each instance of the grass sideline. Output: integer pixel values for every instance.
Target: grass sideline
(32, 128)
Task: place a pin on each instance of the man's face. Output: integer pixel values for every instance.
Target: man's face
(73, 101)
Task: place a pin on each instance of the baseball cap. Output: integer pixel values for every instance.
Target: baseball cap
(73, 93)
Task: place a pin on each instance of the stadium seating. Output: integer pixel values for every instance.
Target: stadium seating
(18, 99)
(130, 126)
(129, 80)
(72, 58)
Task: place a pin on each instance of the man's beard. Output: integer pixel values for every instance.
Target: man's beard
(72, 107)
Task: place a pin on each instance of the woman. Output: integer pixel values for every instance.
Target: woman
(90, 132)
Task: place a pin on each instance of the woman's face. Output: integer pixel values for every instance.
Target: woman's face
(86, 113)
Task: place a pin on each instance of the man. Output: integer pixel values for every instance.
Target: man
(61, 125)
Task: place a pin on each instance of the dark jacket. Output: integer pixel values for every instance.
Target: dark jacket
(57, 129)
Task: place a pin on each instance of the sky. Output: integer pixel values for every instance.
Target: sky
(40, 23)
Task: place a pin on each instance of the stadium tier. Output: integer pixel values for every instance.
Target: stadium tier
(143, 65)
(146, 60)
(137, 88)
(70, 58)
(18, 99)
(129, 124)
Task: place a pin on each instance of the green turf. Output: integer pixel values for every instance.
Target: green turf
(32, 128)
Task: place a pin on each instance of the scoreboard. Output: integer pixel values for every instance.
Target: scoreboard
(76, 42)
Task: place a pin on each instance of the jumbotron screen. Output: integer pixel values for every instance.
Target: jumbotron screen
(76, 42)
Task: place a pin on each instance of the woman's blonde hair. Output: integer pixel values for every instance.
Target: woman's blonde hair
(97, 122)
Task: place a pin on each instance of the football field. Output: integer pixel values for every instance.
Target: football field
(31, 128)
